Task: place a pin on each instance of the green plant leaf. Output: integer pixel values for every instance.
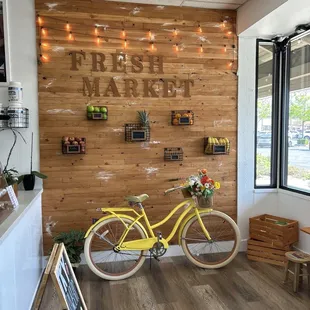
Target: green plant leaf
(39, 174)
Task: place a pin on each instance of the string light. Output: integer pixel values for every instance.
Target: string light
(175, 32)
(229, 33)
(44, 32)
(44, 57)
(44, 44)
(70, 36)
(68, 26)
(152, 46)
(231, 64)
(176, 47)
(123, 33)
(98, 40)
(225, 48)
(150, 34)
(125, 43)
(201, 48)
(199, 28)
(96, 30)
(40, 21)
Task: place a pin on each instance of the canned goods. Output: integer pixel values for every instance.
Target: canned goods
(19, 117)
(15, 94)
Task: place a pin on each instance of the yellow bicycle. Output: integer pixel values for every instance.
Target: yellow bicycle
(117, 245)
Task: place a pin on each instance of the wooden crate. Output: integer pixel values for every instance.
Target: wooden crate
(264, 252)
(268, 228)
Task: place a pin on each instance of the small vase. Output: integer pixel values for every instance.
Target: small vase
(29, 182)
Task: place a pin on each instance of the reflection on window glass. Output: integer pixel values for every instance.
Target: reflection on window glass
(298, 125)
(264, 115)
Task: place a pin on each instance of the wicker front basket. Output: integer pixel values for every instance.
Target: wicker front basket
(203, 202)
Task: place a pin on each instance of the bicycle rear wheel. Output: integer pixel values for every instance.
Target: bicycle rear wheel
(224, 243)
(99, 249)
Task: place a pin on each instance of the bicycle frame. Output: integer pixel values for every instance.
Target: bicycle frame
(147, 243)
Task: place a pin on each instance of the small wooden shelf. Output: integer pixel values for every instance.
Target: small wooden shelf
(173, 154)
(99, 113)
(73, 145)
(305, 230)
(182, 117)
(136, 133)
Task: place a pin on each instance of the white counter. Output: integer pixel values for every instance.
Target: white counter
(21, 252)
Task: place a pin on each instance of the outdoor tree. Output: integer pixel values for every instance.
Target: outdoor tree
(300, 108)
(263, 108)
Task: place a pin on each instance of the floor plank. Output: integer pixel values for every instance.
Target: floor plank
(176, 284)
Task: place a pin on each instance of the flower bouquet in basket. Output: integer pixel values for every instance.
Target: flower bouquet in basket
(202, 187)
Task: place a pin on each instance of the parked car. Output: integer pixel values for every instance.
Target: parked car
(264, 139)
(307, 134)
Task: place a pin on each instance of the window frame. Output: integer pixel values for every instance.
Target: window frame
(274, 117)
(285, 87)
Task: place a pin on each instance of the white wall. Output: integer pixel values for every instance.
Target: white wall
(250, 203)
(23, 64)
(276, 202)
(253, 11)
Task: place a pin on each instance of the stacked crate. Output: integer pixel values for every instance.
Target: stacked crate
(270, 238)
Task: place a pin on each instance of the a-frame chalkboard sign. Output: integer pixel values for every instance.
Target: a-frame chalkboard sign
(67, 287)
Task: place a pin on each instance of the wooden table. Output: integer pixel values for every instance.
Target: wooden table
(306, 230)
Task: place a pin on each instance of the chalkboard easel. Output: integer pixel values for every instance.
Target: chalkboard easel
(67, 287)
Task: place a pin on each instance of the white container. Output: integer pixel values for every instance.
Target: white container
(15, 94)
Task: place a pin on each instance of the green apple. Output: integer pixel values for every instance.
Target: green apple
(97, 110)
(90, 108)
(104, 116)
(103, 110)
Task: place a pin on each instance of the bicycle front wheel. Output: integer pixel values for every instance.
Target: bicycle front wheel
(99, 249)
(214, 253)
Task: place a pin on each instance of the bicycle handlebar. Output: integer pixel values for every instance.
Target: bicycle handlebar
(170, 190)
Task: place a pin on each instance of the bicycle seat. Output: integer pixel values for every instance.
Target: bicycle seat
(140, 198)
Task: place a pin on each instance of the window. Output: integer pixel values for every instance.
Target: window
(265, 144)
(296, 116)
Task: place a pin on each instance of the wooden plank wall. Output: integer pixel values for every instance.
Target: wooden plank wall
(111, 169)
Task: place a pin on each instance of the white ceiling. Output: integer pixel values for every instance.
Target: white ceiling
(208, 4)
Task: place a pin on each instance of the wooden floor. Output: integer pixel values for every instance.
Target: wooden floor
(174, 283)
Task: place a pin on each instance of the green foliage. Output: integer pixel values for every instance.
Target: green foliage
(74, 244)
(11, 176)
(263, 165)
(300, 106)
(144, 119)
(302, 141)
(263, 108)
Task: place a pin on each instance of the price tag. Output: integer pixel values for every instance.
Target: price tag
(12, 196)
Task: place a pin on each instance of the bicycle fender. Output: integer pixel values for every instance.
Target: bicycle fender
(189, 217)
(110, 216)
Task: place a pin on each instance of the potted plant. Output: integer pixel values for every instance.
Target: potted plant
(29, 179)
(74, 244)
(12, 178)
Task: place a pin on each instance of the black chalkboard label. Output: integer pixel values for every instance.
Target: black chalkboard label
(184, 120)
(219, 149)
(175, 157)
(138, 135)
(73, 148)
(97, 115)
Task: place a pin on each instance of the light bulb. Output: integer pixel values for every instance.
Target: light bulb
(123, 33)
(125, 43)
(96, 30)
(44, 32)
(40, 20)
(175, 32)
(98, 40)
(150, 34)
(176, 47)
(201, 48)
(199, 29)
(152, 46)
(70, 36)
(44, 57)
(68, 26)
